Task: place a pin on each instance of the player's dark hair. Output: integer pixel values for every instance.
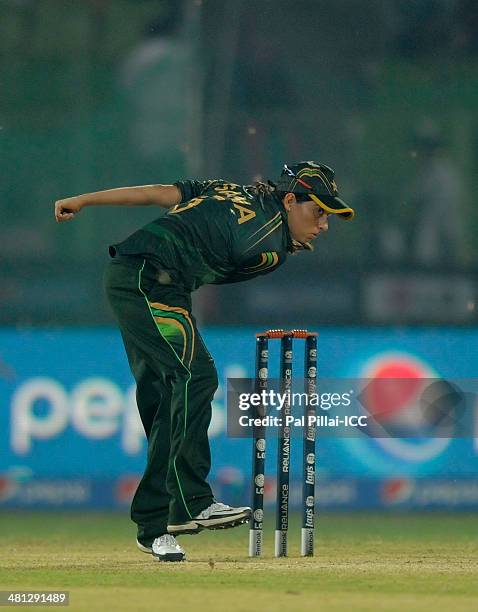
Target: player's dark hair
(270, 189)
(299, 197)
(261, 190)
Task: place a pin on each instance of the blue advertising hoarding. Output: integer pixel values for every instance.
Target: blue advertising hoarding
(71, 436)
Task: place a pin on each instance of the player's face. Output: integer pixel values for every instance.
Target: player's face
(306, 219)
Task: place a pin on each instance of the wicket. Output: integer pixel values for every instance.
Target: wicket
(283, 454)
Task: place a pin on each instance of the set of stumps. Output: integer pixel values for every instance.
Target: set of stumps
(284, 445)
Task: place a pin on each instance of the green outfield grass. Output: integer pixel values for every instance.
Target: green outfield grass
(368, 562)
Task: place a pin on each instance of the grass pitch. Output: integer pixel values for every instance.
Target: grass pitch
(363, 562)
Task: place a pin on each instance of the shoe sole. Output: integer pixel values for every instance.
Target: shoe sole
(170, 557)
(190, 528)
(196, 526)
(167, 557)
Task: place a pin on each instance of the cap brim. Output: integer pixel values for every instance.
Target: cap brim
(334, 206)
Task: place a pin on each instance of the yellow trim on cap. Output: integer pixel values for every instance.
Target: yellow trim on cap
(333, 211)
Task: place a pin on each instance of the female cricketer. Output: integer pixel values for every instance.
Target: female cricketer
(213, 232)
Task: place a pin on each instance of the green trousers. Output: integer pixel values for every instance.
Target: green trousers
(176, 380)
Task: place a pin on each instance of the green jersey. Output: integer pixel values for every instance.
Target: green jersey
(219, 233)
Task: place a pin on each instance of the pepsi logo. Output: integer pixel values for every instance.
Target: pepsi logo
(394, 386)
(8, 487)
(396, 491)
(126, 488)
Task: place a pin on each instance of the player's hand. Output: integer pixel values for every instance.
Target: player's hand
(66, 209)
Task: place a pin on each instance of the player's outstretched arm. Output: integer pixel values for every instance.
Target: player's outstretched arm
(165, 196)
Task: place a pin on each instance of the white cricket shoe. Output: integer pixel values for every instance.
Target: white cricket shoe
(215, 516)
(165, 548)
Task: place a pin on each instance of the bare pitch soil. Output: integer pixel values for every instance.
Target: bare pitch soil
(363, 562)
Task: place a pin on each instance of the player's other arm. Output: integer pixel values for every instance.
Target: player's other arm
(165, 196)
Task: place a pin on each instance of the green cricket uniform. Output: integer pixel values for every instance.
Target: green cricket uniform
(219, 233)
